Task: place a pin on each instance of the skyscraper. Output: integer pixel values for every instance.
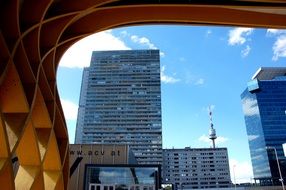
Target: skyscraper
(264, 105)
(120, 102)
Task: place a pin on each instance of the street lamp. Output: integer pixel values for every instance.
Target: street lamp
(234, 176)
(281, 178)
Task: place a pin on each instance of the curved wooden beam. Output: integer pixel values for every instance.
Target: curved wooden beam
(33, 37)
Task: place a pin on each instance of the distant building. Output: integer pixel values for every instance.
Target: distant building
(264, 104)
(195, 168)
(109, 167)
(120, 102)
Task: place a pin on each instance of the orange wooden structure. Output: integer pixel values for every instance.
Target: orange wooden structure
(34, 34)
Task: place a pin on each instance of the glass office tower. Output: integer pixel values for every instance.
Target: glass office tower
(120, 102)
(264, 105)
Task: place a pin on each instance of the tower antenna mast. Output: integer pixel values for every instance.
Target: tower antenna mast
(212, 132)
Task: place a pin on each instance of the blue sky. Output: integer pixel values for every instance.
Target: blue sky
(200, 67)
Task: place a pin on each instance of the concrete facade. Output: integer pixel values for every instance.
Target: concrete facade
(120, 102)
(196, 168)
(81, 155)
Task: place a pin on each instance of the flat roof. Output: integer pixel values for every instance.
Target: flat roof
(194, 149)
(268, 73)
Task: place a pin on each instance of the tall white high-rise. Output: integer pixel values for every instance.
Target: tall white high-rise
(120, 102)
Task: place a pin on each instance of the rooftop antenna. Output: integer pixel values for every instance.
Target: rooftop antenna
(212, 133)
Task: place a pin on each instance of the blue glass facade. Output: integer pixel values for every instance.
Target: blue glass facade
(264, 105)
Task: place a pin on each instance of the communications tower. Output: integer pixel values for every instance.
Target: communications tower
(212, 132)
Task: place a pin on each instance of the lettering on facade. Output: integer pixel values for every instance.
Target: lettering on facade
(95, 153)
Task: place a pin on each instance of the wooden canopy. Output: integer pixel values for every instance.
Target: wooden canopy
(34, 34)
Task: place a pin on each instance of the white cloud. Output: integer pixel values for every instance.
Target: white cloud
(145, 42)
(124, 33)
(249, 107)
(79, 54)
(252, 137)
(162, 54)
(237, 36)
(192, 79)
(167, 79)
(204, 138)
(279, 48)
(219, 140)
(275, 31)
(258, 157)
(241, 170)
(245, 52)
(200, 81)
(208, 33)
(70, 109)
